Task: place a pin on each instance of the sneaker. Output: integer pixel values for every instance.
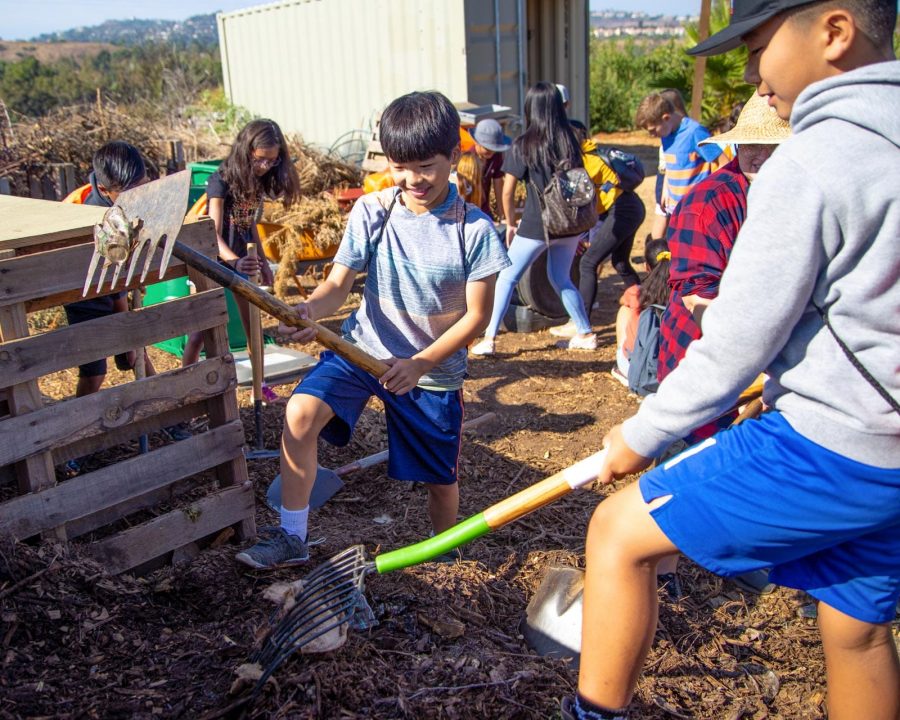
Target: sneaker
(618, 376)
(72, 468)
(485, 347)
(181, 431)
(755, 581)
(579, 342)
(567, 708)
(564, 331)
(277, 550)
(671, 586)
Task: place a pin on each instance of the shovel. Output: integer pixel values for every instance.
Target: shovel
(332, 593)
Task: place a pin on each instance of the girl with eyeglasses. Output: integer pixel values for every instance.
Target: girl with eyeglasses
(258, 167)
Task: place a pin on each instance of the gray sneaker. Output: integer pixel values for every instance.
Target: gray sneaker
(277, 550)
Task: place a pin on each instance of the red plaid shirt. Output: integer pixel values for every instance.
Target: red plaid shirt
(701, 235)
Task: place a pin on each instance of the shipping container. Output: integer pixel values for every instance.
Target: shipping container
(325, 68)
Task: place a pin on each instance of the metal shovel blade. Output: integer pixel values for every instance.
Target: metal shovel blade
(326, 484)
(552, 625)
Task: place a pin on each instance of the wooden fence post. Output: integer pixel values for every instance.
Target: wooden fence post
(34, 187)
(174, 156)
(5, 187)
(63, 176)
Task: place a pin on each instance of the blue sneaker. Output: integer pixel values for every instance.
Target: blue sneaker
(277, 550)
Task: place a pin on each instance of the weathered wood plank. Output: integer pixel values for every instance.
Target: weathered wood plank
(23, 398)
(56, 277)
(133, 547)
(111, 408)
(24, 221)
(224, 409)
(84, 495)
(30, 358)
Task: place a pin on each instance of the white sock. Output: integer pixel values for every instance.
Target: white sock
(294, 521)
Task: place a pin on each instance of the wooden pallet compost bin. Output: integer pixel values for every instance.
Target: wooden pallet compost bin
(144, 509)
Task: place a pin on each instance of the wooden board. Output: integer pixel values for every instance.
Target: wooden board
(136, 546)
(27, 515)
(113, 407)
(30, 358)
(56, 277)
(25, 222)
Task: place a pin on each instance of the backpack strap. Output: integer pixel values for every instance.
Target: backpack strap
(384, 222)
(879, 388)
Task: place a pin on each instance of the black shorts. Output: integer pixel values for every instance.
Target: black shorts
(82, 312)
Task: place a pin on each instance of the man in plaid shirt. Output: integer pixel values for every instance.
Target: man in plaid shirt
(701, 236)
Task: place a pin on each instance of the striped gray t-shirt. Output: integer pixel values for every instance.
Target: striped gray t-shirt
(418, 267)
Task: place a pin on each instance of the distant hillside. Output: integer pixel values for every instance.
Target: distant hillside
(199, 29)
(45, 52)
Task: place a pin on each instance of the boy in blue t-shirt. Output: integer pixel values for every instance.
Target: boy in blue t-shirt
(811, 294)
(687, 162)
(431, 263)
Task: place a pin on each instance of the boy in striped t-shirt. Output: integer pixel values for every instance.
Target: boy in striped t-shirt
(687, 162)
(431, 263)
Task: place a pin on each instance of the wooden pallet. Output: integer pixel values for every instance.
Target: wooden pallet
(174, 498)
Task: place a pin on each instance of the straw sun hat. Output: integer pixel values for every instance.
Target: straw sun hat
(756, 125)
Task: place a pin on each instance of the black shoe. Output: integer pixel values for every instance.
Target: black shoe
(755, 581)
(181, 431)
(567, 708)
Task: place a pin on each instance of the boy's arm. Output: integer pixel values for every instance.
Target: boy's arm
(765, 290)
(405, 373)
(509, 205)
(325, 300)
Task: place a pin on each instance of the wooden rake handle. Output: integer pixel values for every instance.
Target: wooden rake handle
(276, 308)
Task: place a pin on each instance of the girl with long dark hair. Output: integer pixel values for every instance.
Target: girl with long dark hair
(547, 144)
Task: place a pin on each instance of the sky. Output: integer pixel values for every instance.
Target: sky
(23, 19)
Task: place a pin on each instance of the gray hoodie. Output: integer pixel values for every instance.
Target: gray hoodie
(822, 228)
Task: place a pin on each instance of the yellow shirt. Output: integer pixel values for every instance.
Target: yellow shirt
(603, 176)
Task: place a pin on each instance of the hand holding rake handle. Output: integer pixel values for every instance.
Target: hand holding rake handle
(276, 308)
(496, 516)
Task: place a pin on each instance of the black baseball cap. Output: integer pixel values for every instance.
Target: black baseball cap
(746, 15)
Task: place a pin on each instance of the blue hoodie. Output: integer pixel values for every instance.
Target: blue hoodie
(822, 229)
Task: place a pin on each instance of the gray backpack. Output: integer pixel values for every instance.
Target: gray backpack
(568, 202)
(642, 378)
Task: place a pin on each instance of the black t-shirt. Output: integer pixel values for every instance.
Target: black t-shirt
(531, 225)
(239, 215)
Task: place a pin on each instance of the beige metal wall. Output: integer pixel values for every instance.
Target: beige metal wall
(323, 67)
(558, 49)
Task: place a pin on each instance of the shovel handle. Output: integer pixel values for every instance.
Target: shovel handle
(496, 516)
(276, 308)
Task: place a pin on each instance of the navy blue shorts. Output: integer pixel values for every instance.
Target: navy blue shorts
(761, 495)
(424, 427)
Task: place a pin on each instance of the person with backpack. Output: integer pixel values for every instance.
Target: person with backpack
(637, 323)
(616, 175)
(546, 150)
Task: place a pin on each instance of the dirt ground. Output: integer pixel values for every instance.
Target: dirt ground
(75, 643)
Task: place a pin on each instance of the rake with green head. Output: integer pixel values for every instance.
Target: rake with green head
(332, 594)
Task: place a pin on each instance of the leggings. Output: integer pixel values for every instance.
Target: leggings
(522, 252)
(615, 237)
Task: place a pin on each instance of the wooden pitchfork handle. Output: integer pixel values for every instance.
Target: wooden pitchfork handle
(276, 308)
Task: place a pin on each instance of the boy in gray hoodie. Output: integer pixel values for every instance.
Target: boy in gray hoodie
(811, 295)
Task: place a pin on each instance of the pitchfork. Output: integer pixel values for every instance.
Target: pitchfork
(332, 593)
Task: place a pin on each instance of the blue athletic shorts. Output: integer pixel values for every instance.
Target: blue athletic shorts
(424, 427)
(761, 495)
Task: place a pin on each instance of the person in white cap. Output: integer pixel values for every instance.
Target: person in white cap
(580, 128)
(490, 144)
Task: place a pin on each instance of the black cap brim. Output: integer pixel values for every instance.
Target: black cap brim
(729, 38)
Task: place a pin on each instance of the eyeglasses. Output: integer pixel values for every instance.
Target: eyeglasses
(265, 163)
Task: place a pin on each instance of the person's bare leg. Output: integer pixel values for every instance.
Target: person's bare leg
(658, 227)
(304, 418)
(861, 667)
(88, 385)
(624, 545)
(443, 506)
(192, 349)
